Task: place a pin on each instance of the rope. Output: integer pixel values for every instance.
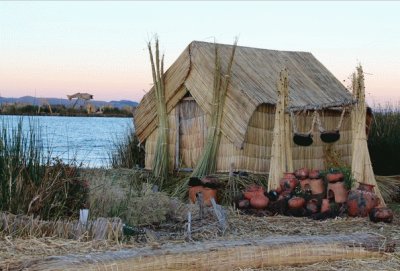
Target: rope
(322, 129)
(314, 120)
(341, 119)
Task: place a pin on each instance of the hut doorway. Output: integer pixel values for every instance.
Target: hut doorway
(191, 135)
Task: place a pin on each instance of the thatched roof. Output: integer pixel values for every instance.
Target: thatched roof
(254, 77)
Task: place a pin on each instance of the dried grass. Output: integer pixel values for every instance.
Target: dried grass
(14, 251)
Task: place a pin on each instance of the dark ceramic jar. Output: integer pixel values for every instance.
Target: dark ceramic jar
(381, 214)
(360, 203)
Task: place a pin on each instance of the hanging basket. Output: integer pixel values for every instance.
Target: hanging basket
(302, 139)
(330, 136)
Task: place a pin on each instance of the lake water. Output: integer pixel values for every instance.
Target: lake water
(89, 140)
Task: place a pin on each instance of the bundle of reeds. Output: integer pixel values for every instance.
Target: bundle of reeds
(208, 162)
(361, 166)
(226, 255)
(29, 226)
(281, 152)
(160, 165)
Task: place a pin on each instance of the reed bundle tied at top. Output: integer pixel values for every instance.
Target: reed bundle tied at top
(208, 161)
(160, 165)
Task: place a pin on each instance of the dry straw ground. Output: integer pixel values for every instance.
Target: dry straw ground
(15, 252)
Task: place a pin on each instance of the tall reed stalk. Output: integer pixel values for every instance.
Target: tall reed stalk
(30, 181)
(208, 161)
(127, 153)
(160, 165)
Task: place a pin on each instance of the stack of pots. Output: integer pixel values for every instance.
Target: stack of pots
(288, 183)
(362, 200)
(310, 181)
(336, 186)
(254, 197)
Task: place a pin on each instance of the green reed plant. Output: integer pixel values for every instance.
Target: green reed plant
(384, 140)
(30, 181)
(127, 153)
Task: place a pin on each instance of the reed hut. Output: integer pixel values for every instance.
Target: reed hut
(249, 109)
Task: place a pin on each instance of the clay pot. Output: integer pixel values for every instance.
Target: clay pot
(253, 190)
(259, 202)
(313, 174)
(325, 206)
(317, 186)
(301, 173)
(381, 214)
(360, 203)
(208, 194)
(366, 187)
(305, 185)
(338, 191)
(289, 175)
(193, 190)
(312, 206)
(243, 204)
(288, 184)
(272, 195)
(296, 203)
(334, 177)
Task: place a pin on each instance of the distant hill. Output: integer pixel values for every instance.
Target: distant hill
(53, 101)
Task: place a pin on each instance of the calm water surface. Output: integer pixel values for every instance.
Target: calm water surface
(88, 139)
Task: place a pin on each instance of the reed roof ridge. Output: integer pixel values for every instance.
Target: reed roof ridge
(248, 47)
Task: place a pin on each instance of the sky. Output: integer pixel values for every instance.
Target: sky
(51, 48)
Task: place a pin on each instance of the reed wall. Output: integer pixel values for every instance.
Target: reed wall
(255, 155)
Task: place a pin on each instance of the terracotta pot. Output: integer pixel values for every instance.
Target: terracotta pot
(305, 185)
(301, 173)
(208, 194)
(289, 175)
(334, 177)
(325, 206)
(288, 184)
(317, 186)
(360, 203)
(366, 187)
(259, 202)
(338, 191)
(314, 174)
(381, 214)
(296, 203)
(193, 190)
(253, 190)
(312, 206)
(243, 204)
